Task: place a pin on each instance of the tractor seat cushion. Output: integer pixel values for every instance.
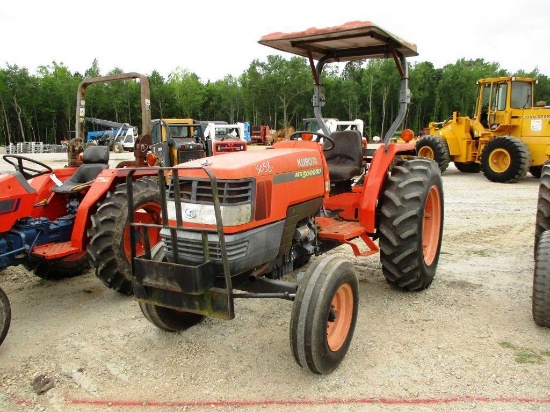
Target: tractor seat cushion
(346, 158)
(95, 159)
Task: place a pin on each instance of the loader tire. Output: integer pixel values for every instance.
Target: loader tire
(324, 314)
(542, 220)
(411, 224)
(535, 171)
(433, 147)
(109, 246)
(468, 167)
(505, 159)
(118, 148)
(541, 282)
(5, 315)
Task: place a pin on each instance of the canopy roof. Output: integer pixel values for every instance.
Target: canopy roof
(351, 41)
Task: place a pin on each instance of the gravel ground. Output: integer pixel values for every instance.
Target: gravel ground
(466, 343)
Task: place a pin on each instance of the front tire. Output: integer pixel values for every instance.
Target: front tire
(411, 224)
(5, 315)
(505, 159)
(435, 148)
(164, 318)
(109, 246)
(541, 282)
(324, 314)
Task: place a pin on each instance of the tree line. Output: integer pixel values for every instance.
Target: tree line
(41, 107)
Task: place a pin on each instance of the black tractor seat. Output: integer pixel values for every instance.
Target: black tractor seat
(95, 159)
(345, 160)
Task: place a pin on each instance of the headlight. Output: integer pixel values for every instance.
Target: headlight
(204, 214)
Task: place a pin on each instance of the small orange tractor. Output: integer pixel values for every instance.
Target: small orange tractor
(234, 226)
(53, 220)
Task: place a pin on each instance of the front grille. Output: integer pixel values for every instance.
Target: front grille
(187, 155)
(191, 250)
(231, 192)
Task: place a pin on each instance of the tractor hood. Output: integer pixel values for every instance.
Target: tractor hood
(256, 163)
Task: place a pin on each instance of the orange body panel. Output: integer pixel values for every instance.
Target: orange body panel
(374, 182)
(18, 202)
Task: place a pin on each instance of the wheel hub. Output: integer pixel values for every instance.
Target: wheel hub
(431, 226)
(427, 152)
(499, 160)
(339, 317)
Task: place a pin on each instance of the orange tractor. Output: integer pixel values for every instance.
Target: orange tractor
(53, 220)
(234, 226)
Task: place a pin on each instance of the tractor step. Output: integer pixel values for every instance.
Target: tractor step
(341, 230)
(54, 250)
(344, 231)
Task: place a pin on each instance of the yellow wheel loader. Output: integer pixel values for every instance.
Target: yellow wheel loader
(507, 136)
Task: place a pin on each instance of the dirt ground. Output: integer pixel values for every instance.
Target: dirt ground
(466, 343)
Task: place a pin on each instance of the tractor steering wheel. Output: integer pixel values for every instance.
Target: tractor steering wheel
(26, 171)
(318, 136)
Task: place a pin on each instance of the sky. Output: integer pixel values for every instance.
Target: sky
(215, 38)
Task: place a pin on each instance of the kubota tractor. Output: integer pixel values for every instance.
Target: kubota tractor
(541, 280)
(234, 226)
(51, 219)
(507, 136)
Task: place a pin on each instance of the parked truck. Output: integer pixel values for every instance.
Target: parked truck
(223, 137)
(118, 137)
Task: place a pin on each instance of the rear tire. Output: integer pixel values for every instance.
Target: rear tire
(60, 269)
(505, 159)
(411, 224)
(468, 167)
(5, 315)
(435, 148)
(542, 221)
(541, 282)
(164, 318)
(324, 314)
(118, 148)
(109, 246)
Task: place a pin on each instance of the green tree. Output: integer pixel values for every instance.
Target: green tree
(188, 92)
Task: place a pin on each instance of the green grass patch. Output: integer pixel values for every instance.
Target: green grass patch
(482, 253)
(526, 355)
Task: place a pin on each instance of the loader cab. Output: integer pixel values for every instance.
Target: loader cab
(498, 97)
